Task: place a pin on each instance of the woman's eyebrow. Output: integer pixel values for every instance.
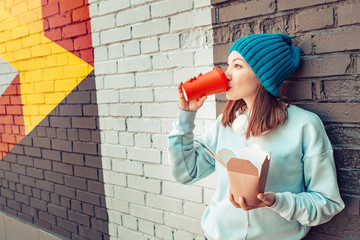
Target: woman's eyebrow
(237, 59)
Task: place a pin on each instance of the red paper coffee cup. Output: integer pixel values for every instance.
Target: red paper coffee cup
(210, 83)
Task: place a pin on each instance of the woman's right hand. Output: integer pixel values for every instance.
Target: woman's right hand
(192, 105)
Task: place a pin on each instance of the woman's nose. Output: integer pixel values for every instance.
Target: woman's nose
(228, 75)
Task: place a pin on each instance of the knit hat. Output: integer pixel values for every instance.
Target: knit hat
(271, 56)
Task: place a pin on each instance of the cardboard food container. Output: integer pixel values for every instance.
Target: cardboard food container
(247, 173)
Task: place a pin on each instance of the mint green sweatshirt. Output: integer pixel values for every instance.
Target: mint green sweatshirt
(302, 175)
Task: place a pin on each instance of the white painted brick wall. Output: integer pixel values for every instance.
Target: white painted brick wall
(143, 140)
(127, 167)
(147, 213)
(143, 125)
(146, 227)
(110, 137)
(126, 139)
(115, 216)
(158, 172)
(133, 16)
(166, 94)
(151, 28)
(191, 19)
(154, 79)
(131, 48)
(177, 59)
(160, 141)
(114, 151)
(111, 123)
(143, 49)
(178, 234)
(162, 110)
(115, 178)
(119, 81)
(183, 222)
(116, 51)
(144, 155)
(164, 203)
(115, 35)
(130, 222)
(107, 67)
(93, 9)
(118, 205)
(141, 2)
(136, 95)
(136, 64)
(201, 3)
(125, 234)
(147, 185)
(194, 210)
(103, 22)
(113, 230)
(202, 56)
(177, 190)
(108, 96)
(100, 53)
(95, 39)
(125, 110)
(163, 232)
(170, 7)
(150, 45)
(109, 6)
(169, 42)
(129, 195)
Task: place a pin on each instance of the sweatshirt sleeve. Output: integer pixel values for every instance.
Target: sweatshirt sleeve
(322, 199)
(187, 158)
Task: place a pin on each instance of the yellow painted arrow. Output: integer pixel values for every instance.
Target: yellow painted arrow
(48, 72)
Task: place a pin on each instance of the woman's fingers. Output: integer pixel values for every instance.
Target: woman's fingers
(181, 95)
(231, 198)
(201, 101)
(268, 199)
(182, 102)
(243, 204)
(192, 105)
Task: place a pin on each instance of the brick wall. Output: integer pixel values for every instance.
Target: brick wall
(145, 48)
(84, 153)
(327, 81)
(50, 160)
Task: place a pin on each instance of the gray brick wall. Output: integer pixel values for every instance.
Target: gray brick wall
(53, 178)
(325, 83)
(96, 167)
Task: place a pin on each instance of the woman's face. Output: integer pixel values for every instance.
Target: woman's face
(242, 80)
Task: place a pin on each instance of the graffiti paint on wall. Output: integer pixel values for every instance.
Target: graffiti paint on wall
(49, 44)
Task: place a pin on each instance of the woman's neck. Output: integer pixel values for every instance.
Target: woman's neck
(249, 103)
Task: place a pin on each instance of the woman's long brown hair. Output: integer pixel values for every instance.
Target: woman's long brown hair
(267, 113)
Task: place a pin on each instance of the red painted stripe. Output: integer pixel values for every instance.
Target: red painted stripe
(67, 23)
(12, 128)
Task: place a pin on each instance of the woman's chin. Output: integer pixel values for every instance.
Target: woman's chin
(229, 96)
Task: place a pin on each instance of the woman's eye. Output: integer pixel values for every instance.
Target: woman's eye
(237, 66)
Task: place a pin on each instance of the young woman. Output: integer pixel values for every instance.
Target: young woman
(301, 189)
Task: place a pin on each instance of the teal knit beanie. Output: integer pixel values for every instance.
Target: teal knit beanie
(271, 56)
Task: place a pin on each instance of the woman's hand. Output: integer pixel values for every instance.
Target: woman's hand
(192, 105)
(267, 200)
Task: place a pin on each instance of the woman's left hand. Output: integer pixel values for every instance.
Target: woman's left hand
(267, 200)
